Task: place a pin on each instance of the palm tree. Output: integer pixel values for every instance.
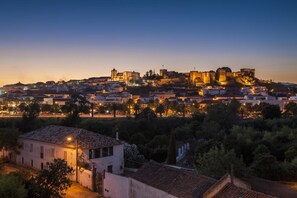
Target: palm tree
(166, 105)
(129, 104)
(137, 107)
(114, 109)
(92, 106)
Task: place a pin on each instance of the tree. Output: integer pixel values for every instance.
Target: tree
(147, 114)
(92, 107)
(77, 104)
(160, 110)
(133, 158)
(129, 104)
(218, 161)
(114, 108)
(265, 164)
(291, 153)
(271, 111)
(9, 139)
(30, 115)
(171, 155)
(12, 186)
(52, 182)
(225, 115)
(291, 108)
(166, 105)
(46, 108)
(31, 111)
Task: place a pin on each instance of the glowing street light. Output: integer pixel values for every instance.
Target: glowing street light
(69, 139)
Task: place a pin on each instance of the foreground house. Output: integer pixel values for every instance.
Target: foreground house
(162, 181)
(87, 152)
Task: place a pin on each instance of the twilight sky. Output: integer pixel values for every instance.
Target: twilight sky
(73, 39)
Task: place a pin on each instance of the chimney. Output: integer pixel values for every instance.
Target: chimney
(232, 174)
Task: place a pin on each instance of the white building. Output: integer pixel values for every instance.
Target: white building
(164, 181)
(90, 151)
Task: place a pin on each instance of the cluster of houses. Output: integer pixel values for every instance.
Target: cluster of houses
(98, 162)
(122, 86)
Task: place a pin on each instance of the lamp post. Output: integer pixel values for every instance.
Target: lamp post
(69, 139)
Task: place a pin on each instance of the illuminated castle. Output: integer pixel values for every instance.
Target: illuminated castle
(126, 76)
(222, 76)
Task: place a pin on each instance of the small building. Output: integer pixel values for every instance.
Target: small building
(80, 148)
(160, 180)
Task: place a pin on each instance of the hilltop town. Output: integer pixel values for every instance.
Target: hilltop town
(198, 134)
(198, 88)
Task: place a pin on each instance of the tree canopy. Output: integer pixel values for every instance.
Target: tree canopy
(52, 182)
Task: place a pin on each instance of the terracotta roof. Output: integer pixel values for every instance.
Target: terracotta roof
(58, 135)
(177, 182)
(230, 191)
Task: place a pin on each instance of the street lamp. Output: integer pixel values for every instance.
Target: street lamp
(69, 139)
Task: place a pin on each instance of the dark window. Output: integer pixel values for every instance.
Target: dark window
(105, 152)
(90, 154)
(110, 151)
(22, 160)
(41, 152)
(97, 153)
(109, 168)
(41, 166)
(31, 163)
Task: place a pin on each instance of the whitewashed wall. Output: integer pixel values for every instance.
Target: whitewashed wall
(47, 156)
(116, 186)
(116, 160)
(85, 178)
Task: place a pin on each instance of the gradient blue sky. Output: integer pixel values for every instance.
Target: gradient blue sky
(71, 39)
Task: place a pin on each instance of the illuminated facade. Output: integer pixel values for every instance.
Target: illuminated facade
(126, 76)
(222, 76)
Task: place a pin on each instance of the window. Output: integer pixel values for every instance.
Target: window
(22, 160)
(110, 151)
(105, 152)
(90, 154)
(31, 147)
(31, 163)
(65, 155)
(109, 168)
(41, 166)
(52, 152)
(97, 153)
(41, 152)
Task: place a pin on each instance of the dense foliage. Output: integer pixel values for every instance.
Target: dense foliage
(12, 186)
(261, 145)
(51, 182)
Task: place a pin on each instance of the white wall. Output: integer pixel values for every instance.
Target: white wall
(116, 186)
(85, 178)
(116, 160)
(47, 156)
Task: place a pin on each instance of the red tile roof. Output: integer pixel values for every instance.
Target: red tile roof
(58, 135)
(230, 191)
(177, 182)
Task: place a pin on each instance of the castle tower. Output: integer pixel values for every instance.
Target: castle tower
(114, 73)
